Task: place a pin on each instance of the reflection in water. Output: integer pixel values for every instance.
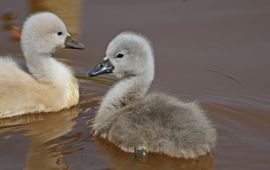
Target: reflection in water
(122, 161)
(43, 130)
(243, 136)
(10, 27)
(98, 80)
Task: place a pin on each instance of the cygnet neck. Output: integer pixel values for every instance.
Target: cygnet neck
(127, 90)
(45, 69)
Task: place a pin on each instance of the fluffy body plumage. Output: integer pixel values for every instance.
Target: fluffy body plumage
(156, 122)
(49, 85)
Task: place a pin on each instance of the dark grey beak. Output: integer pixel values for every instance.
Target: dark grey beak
(104, 67)
(72, 44)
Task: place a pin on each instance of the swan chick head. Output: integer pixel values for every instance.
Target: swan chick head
(128, 54)
(45, 32)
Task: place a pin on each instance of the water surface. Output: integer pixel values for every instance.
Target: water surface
(215, 52)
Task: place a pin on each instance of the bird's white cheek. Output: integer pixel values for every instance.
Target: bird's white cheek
(117, 74)
(60, 45)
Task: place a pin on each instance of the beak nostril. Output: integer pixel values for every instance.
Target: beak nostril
(104, 67)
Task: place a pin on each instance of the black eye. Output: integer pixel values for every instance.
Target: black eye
(59, 33)
(120, 55)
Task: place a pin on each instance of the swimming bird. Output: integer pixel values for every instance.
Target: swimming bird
(47, 85)
(138, 122)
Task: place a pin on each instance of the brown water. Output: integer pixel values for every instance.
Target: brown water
(213, 51)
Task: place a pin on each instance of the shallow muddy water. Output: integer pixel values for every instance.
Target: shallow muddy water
(214, 52)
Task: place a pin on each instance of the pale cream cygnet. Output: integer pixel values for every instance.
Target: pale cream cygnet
(138, 122)
(47, 85)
